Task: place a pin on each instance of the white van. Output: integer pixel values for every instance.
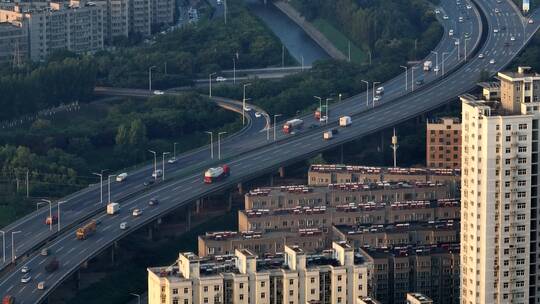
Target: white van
(121, 177)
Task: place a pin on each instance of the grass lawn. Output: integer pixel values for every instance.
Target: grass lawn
(340, 41)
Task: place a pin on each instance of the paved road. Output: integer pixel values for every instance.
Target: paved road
(247, 162)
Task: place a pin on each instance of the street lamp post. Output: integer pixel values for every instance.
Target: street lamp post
(443, 54)
(373, 92)
(339, 96)
(109, 186)
(320, 105)
(457, 44)
(465, 55)
(155, 163)
(406, 78)
(412, 77)
(100, 185)
(219, 143)
(211, 143)
(275, 116)
(58, 213)
(13, 257)
(234, 70)
(436, 61)
(174, 149)
(163, 165)
(3, 244)
(210, 84)
(367, 92)
(138, 297)
(326, 114)
(244, 104)
(150, 77)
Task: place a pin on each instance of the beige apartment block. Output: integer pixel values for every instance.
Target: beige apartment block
(443, 143)
(162, 12)
(338, 194)
(76, 26)
(418, 298)
(292, 219)
(323, 175)
(13, 43)
(491, 91)
(401, 234)
(499, 193)
(431, 270)
(332, 276)
(262, 243)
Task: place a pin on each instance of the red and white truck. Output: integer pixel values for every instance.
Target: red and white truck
(293, 124)
(215, 174)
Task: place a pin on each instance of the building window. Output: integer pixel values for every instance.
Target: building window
(241, 296)
(291, 281)
(508, 127)
(241, 285)
(186, 290)
(291, 292)
(175, 291)
(205, 288)
(339, 277)
(312, 291)
(263, 295)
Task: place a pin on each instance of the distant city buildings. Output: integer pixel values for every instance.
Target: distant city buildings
(323, 175)
(35, 30)
(499, 215)
(431, 270)
(443, 143)
(332, 276)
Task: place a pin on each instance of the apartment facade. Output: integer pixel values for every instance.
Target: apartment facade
(334, 276)
(262, 243)
(414, 233)
(13, 43)
(76, 26)
(292, 219)
(499, 193)
(443, 143)
(323, 175)
(430, 270)
(338, 194)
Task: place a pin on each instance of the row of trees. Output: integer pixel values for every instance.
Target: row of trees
(387, 28)
(33, 88)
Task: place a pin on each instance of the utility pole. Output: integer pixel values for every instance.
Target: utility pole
(367, 92)
(244, 104)
(406, 78)
(27, 185)
(394, 147)
(163, 166)
(219, 143)
(275, 116)
(211, 143)
(155, 164)
(150, 77)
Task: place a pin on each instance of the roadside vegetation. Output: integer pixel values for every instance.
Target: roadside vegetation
(62, 150)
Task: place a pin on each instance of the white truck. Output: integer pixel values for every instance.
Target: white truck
(328, 135)
(121, 177)
(345, 121)
(428, 65)
(113, 208)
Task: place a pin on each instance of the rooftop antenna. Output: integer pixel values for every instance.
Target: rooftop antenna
(394, 147)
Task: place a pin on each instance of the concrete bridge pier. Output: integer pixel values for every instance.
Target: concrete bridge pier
(271, 180)
(188, 218)
(198, 205)
(229, 201)
(159, 221)
(341, 153)
(78, 279)
(150, 235)
(240, 188)
(281, 172)
(113, 250)
(84, 265)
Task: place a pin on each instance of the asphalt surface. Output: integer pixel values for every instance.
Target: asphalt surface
(247, 160)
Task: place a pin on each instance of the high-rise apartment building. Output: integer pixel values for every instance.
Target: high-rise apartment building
(294, 277)
(499, 215)
(76, 26)
(13, 43)
(443, 143)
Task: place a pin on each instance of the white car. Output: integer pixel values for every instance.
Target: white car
(497, 11)
(469, 6)
(124, 225)
(480, 56)
(495, 30)
(26, 278)
(137, 212)
(460, 19)
(323, 119)
(531, 21)
(436, 70)
(512, 38)
(172, 160)
(247, 109)
(377, 98)
(221, 79)
(25, 269)
(158, 92)
(456, 42)
(492, 61)
(445, 17)
(451, 33)
(258, 114)
(437, 11)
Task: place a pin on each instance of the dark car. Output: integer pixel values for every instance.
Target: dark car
(154, 201)
(420, 82)
(334, 131)
(149, 182)
(312, 126)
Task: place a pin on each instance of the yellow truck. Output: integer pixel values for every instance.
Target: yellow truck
(85, 231)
